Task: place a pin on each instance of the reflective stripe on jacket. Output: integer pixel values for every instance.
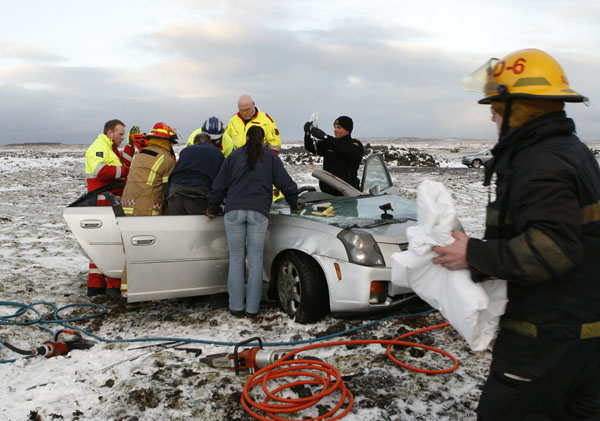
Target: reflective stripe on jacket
(237, 129)
(104, 164)
(150, 170)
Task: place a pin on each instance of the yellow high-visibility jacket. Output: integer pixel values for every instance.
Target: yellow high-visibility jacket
(237, 129)
(104, 164)
(225, 145)
(150, 170)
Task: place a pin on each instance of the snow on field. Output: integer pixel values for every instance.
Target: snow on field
(40, 261)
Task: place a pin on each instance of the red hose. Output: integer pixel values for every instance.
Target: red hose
(330, 380)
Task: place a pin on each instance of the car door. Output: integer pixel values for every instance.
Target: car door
(96, 230)
(174, 256)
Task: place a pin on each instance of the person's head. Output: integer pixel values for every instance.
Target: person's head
(246, 107)
(254, 141)
(115, 130)
(214, 128)
(162, 131)
(522, 86)
(203, 138)
(342, 126)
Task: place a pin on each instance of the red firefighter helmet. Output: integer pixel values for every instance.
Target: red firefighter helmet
(163, 131)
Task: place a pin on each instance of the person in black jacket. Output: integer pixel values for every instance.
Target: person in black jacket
(246, 181)
(341, 154)
(543, 237)
(190, 181)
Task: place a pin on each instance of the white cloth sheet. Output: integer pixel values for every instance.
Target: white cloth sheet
(473, 309)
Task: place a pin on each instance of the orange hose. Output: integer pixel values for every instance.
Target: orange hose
(331, 381)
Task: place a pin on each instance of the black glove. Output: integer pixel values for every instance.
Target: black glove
(318, 133)
(307, 127)
(133, 130)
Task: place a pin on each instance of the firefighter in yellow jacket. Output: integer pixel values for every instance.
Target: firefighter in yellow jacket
(106, 166)
(149, 174)
(249, 115)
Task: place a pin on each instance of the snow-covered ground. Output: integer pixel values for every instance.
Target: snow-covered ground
(40, 261)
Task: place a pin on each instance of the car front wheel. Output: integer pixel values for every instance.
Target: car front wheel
(476, 163)
(301, 287)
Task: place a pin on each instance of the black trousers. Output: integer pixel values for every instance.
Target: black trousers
(185, 200)
(542, 379)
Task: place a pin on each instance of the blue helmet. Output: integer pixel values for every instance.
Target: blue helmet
(213, 127)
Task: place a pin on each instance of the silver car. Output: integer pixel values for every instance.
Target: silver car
(332, 256)
(476, 160)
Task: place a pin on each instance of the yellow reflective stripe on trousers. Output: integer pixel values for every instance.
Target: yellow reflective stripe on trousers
(525, 328)
(590, 213)
(165, 179)
(128, 210)
(590, 330)
(154, 213)
(154, 169)
(522, 327)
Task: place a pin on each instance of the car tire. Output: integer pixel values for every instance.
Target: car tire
(301, 288)
(476, 163)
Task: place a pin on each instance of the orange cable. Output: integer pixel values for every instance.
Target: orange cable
(331, 381)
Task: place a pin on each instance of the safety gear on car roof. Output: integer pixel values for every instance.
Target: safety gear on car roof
(213, 127)
(528, 73)
(163, 131)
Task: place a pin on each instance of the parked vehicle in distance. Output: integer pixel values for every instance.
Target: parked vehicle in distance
(476, 160)
(334, 255)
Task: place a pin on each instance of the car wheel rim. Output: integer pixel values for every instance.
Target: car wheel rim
(289, 288)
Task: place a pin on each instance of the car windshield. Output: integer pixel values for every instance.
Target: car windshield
(359, 212)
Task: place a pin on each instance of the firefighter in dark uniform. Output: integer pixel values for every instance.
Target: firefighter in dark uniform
(543, 237)
(341, 154)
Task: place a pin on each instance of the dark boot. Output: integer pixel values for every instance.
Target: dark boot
(92, 291)
(114, 293)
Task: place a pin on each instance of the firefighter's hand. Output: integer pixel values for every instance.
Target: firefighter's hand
(298, 206)
(453, 256)
(307, 127)
(133, 130)
(210, 213)
(318, 133)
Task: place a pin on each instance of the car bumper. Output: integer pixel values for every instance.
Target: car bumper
(352, 293)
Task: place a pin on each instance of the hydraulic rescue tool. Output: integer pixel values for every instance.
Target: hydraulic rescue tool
(250, 359)
(55, 347)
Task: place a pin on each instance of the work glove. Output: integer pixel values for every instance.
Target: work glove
(298, 206)
(307, 127)
(318, 133)
(133, 130)
(210, 213)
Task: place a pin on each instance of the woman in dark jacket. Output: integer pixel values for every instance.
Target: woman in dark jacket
(246, 181)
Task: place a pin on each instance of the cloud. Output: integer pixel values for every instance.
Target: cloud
(391, 75)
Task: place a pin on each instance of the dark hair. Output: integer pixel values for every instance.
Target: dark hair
(111, 124)
(202, 138)
(254, 141)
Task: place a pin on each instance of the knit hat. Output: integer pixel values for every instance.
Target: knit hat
(345, 122)
(524, 110)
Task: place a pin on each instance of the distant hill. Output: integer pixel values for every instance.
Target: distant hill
(36, 143)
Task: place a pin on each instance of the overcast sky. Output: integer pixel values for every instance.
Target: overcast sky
(395, 67)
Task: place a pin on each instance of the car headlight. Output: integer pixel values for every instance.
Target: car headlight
(361, 247)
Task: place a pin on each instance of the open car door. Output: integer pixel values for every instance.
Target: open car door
(174, 256)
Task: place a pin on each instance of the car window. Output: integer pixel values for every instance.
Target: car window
(376, 174)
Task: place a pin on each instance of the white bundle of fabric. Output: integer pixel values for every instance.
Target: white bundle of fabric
(473, 309)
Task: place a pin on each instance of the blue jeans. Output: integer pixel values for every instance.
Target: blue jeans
(242, 225)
